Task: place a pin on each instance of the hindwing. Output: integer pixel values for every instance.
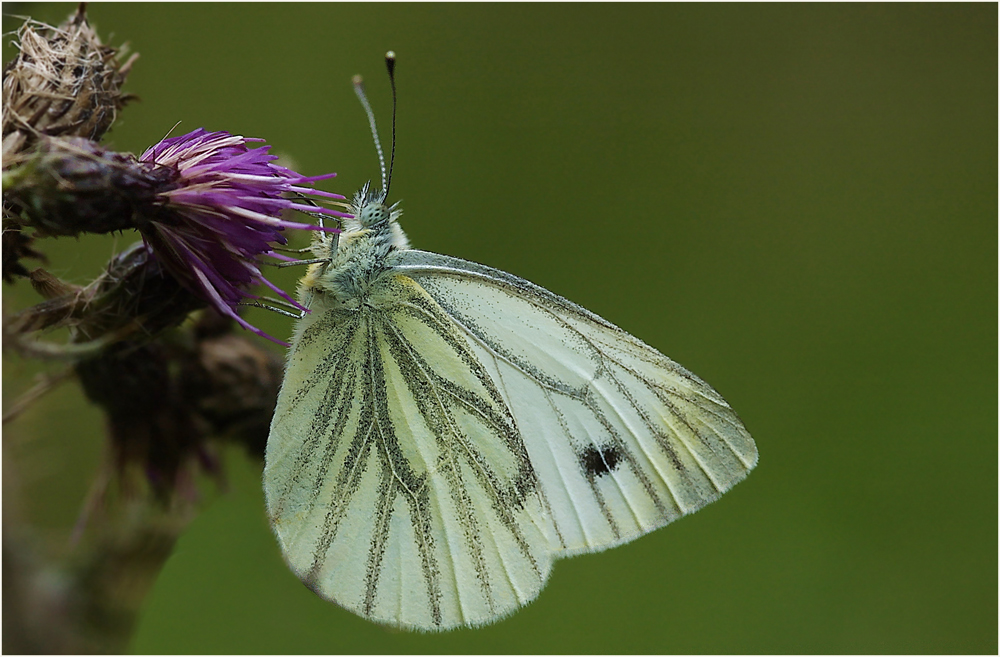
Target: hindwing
(396, 478)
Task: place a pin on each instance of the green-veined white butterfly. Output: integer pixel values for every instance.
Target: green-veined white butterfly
(446, 431)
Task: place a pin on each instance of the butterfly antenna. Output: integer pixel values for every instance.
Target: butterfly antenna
(390, 65)
(359, 89)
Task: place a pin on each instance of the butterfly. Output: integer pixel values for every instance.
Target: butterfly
(445, 431)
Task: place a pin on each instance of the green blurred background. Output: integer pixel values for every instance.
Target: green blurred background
(797, 202)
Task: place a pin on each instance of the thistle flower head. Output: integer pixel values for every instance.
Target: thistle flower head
(222, 212)
(208, 206)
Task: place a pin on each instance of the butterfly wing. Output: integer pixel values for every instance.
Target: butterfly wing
(432, 452)
(622, 439)
(395, 477)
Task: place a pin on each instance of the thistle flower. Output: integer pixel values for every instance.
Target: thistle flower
(223, 211)
(207, 205)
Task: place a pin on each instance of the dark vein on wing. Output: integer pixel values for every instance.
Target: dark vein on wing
(442, 325)
(662, 393)
(334, 414)
(380, 537)
(462, 502)
(416, 499)
(580, 395)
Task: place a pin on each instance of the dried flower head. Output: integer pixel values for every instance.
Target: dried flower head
(169, 401)
(64, 81)
(134, 296)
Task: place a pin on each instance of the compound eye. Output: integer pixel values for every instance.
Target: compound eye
(373, 213)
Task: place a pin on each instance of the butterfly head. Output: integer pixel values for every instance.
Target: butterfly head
(374, 216)
(350, 259)
(368, 206)
(371, 211)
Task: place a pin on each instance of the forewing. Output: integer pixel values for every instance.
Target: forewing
(623, 439)
(396, 480)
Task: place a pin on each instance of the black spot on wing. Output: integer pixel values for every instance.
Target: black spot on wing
(597, 462)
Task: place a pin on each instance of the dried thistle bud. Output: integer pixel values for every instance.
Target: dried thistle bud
(64, 81)
(166, 401)
(233, 383)
(150, 424)
(136, 292)
(133, 295)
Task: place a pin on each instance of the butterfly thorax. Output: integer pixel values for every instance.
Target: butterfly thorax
(356, 257)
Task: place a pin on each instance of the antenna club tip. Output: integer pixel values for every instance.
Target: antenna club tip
(357, 81)
(390, 55)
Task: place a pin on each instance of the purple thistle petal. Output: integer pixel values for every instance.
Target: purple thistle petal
(226, 208)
